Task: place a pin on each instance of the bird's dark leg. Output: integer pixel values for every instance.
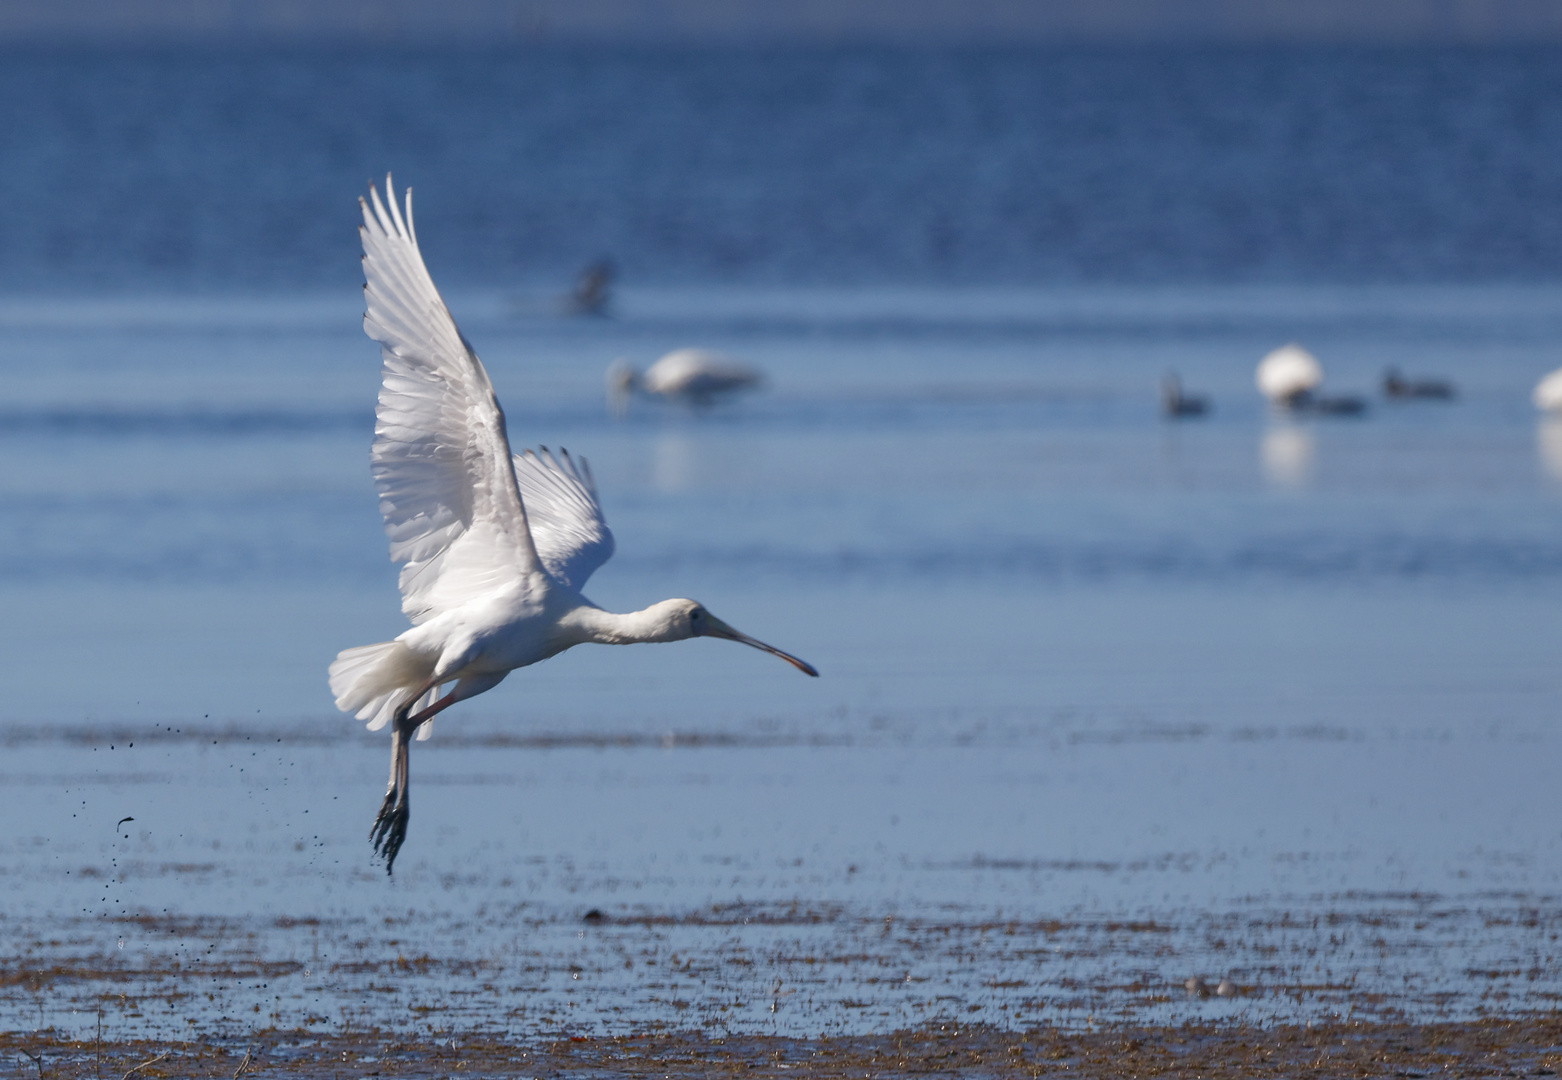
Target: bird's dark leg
(390, 825)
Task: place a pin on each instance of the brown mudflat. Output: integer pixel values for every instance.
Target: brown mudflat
(1513, 1047)
(173, 898)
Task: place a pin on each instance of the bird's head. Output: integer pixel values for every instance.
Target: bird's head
(688, 619)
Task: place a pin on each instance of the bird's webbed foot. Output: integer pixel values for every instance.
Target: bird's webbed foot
(390, 824)
(390, 827)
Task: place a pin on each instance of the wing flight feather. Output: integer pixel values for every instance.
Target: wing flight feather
(441, 456)
(567, 526)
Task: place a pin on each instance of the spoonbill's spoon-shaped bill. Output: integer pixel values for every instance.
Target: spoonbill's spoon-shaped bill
(1287, 372)
(1548, 392)
(714, 627)
(495, 546)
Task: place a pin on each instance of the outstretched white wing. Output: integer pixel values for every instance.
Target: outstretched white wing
(566, 521)
(441, 458)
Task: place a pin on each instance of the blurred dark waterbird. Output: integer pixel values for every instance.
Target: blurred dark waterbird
(1400, 388)
(1175, 402)
(593, 291)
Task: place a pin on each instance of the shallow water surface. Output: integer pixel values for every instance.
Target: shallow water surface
(1108, 703)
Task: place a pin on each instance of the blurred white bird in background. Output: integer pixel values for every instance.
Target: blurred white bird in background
(496, 546)
(1287, 374)
(1289, 377)
(1548, 393)
(692, 376)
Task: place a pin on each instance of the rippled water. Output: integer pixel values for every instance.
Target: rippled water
(1107, 701)
(198, 170)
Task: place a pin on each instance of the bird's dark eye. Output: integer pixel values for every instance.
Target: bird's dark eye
(694, 614)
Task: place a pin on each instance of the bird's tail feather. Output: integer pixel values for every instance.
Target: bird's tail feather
(372, 681)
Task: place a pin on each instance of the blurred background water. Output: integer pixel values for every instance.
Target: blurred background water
(215, 170)
(1245, 659)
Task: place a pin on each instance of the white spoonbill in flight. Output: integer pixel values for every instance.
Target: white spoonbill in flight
(496, 545)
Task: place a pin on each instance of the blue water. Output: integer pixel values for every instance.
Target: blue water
(978, 462)
(1078, 662)
(195, 170)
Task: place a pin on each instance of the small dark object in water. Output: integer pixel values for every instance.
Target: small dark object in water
(593, 292)
(1175, 403)
(1396, 385)
(1306, 401)
(594, 917)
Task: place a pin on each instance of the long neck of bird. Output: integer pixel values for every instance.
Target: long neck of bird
(591, 623)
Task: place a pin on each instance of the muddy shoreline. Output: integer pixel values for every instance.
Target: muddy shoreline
(214, 894)
(1527, 1046)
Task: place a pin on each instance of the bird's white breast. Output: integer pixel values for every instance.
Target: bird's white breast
(510, 628)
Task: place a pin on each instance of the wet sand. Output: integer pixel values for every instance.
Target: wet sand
(790, 969)
(1522, 1047)
(213, 885)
